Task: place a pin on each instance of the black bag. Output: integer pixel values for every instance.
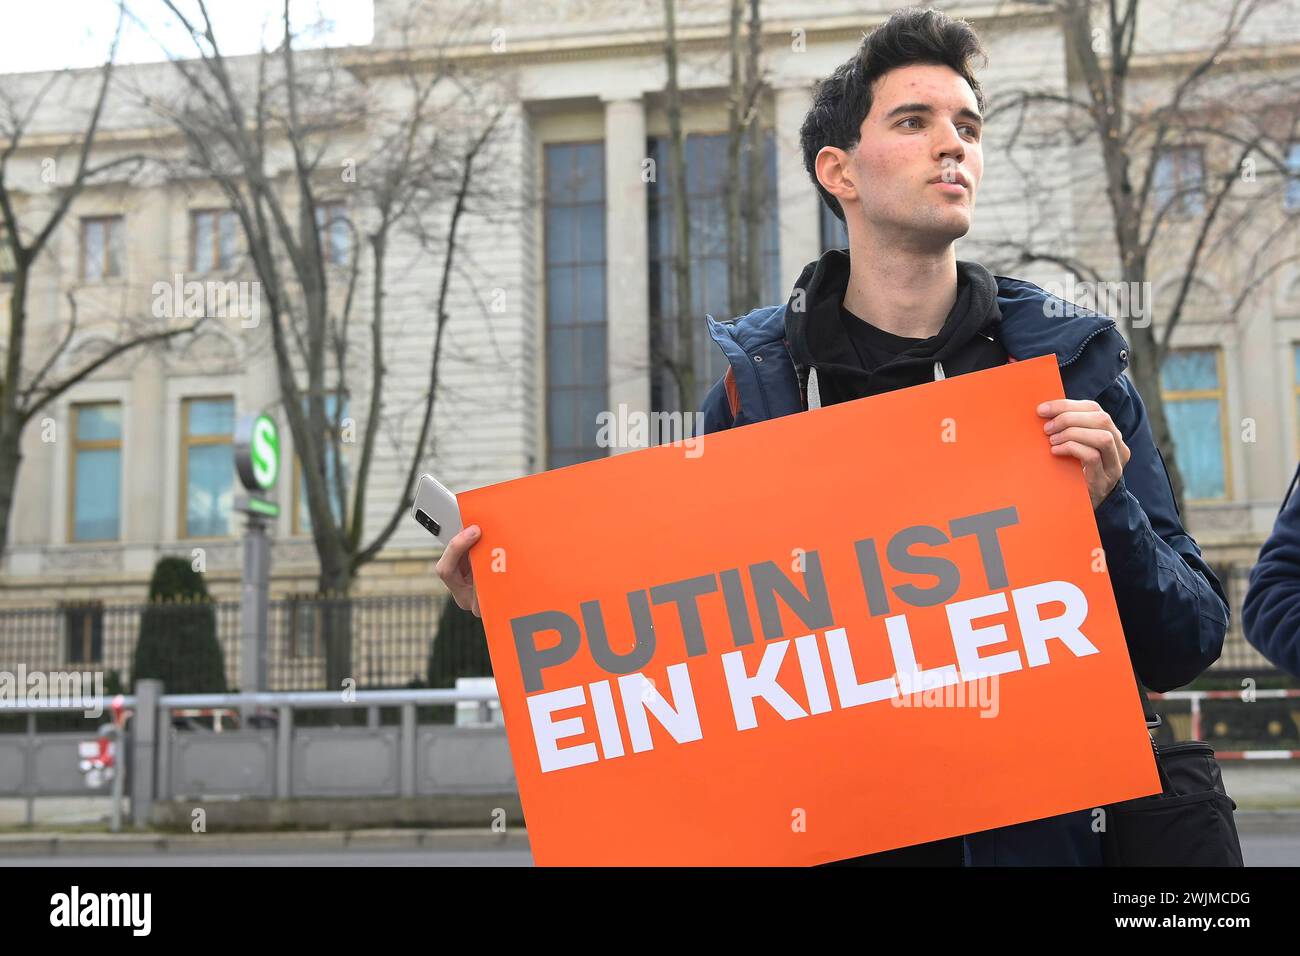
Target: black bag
(1189, 824)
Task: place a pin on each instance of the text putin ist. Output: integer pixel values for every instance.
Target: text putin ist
(639, 699)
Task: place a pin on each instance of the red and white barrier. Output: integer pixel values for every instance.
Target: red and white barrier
(1245, 696)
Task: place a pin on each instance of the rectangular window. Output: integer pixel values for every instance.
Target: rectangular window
(304, 628)
(102, 253)
(577, 388)
(1291, 198)
(335, 232)
(96, 468)
(706, 169)
(1180, 181)
(212, 240)
(83, 633)
(301, 512)
(1191, 383)
(207, 466)
(835, 235)
(1295, 356)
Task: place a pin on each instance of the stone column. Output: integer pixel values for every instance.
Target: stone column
(627, 265)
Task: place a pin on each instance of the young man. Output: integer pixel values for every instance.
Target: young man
(1270, 614)
(893, 144)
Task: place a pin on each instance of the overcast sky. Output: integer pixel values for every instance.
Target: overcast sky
(54, 34)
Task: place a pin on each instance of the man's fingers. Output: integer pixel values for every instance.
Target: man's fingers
(454, 569)
(1100, 472)
(1089, 420)
(458, 547)
(1053, 408)
(1103, 441)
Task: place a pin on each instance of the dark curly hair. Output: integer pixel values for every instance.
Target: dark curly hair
(842, 101)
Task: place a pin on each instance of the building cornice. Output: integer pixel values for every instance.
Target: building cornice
(641, 42)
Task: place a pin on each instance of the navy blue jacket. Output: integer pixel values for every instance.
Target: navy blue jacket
(1171, 605)
(1270, 614)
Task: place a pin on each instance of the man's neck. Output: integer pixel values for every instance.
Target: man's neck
(900, 290)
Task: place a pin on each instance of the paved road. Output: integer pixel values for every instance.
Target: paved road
(1271, 849)
(359, 857)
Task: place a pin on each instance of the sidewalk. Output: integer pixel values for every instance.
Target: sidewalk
(53, 843)
(1260, 823)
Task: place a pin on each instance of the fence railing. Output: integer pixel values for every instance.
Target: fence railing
(391, 637)
(278, 755)
(1238, 654)
(391, 640)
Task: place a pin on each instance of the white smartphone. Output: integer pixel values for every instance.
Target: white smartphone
(436, 510)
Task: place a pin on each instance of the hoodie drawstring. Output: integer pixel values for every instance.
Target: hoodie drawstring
(815, 395)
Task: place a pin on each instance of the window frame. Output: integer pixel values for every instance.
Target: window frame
(186, 441)
(1295, 389)
(1181, 194)
(94, 444)
(324, 222)
(1220, 395)
(660, 258)
(218, 214)
(1291, 159)
(107, 222)
(93, 612)
(547, 204)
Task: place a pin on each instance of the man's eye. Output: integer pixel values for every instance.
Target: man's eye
(974, 130)
(910, 119)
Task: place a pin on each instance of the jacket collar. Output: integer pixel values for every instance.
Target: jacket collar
(1090, 351)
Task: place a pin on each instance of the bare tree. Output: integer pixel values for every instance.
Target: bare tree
(271, 143)
(31, 383)
(746, 160)
(1237, 107)
(680, 361)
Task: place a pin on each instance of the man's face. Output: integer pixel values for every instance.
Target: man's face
(919, 161)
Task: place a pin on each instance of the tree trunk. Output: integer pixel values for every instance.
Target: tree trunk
(756, 178)
(734, 189)
(683, 360)
(11, 416)
(335, 610)
(10, 457)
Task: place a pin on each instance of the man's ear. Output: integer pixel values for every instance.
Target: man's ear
(833, 172)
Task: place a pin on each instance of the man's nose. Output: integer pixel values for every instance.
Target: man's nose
(948, 143)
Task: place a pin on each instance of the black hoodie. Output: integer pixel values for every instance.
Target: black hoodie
(817, 337)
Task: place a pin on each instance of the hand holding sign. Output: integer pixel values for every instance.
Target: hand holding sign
(1084, 430)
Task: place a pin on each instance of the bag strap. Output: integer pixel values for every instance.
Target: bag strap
(1153, 720)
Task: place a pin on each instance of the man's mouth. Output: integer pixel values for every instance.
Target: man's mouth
(951, 178)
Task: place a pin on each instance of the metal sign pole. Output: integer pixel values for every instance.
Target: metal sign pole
(253, 606)
(257, 462)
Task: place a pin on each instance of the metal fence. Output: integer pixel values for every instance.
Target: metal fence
(1238, 655)
(392, 638)
(275, 754)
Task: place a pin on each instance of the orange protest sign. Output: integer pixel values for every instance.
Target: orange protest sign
(764, 648)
